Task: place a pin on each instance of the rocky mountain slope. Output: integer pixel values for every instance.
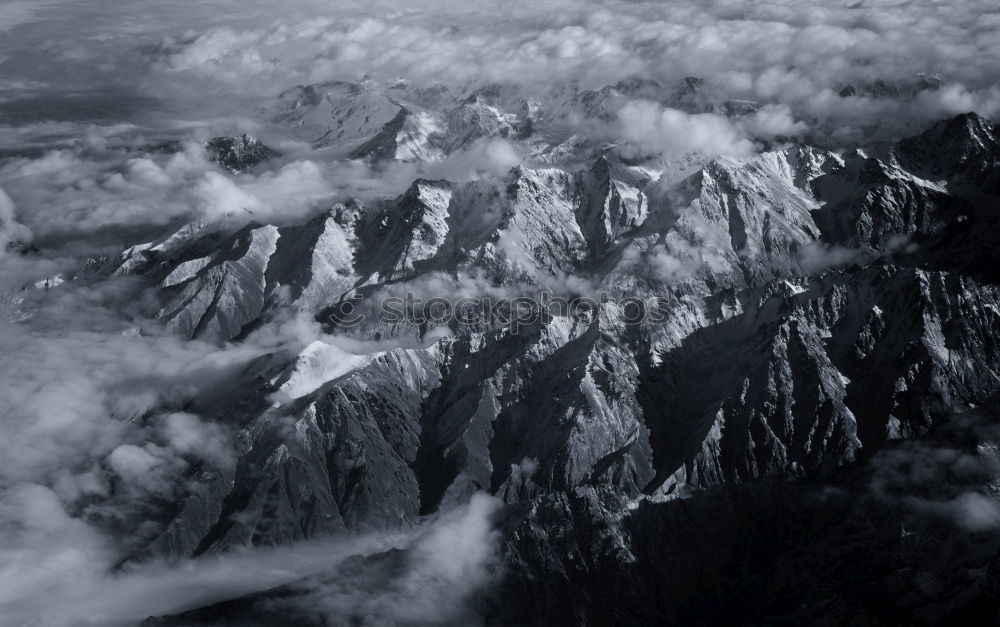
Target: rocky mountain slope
(781, 316)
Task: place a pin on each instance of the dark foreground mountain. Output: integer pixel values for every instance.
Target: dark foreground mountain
(905, 538)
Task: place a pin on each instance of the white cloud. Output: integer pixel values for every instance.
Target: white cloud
(11, 231)
(215, 58)
(651, 128)
(774, 120)
(446, 563)
(483, 157)
(55, 570)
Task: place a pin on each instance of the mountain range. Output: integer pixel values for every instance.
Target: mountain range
(700, 435)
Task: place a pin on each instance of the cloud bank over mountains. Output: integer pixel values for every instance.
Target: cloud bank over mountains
(804, 55)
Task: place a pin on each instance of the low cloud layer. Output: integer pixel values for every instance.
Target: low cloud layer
(94, 412)
(947, 476)
(444, 565)
(56, 571)
(841, 62)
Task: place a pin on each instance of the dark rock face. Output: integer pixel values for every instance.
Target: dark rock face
(881, 543)
(237, 153)
(876, 544)
(812, 311)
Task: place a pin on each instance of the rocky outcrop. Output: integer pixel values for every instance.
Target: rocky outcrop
(238, 153)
